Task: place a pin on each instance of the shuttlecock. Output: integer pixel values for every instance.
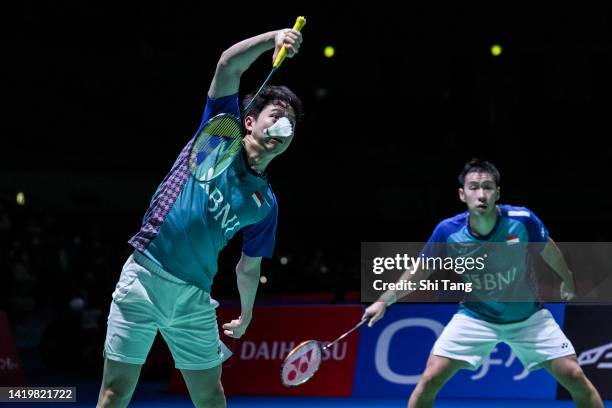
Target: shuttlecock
(281, 129)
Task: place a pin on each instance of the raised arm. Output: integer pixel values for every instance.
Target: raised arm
(238, 58)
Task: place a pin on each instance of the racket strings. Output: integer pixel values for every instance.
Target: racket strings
(225, 127)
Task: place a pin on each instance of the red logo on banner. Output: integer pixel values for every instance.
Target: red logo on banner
(255, 367)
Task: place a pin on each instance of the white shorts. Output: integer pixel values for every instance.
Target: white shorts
(534, 340)
(145, 301)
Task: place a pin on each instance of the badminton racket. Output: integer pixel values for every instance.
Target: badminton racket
(220, 139)
(303, 362)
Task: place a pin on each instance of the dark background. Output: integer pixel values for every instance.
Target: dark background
(100, 98)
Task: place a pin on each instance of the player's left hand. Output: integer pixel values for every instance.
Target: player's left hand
(236, 327)
(568, 291)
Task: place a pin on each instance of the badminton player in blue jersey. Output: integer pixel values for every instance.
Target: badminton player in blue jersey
(484, 318)
(165, 285)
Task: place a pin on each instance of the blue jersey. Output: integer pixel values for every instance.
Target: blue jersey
(189, 222)
(507, 273)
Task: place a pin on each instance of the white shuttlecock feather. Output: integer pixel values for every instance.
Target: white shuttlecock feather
(281, 129)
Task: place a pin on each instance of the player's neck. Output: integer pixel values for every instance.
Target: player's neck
(256, 157)
(483, 224)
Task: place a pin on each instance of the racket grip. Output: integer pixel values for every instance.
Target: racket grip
(299, 23)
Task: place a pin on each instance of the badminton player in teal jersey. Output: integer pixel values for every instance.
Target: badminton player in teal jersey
(165, 285)
(485, 319)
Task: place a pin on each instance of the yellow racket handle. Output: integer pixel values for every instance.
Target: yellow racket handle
(299, 23)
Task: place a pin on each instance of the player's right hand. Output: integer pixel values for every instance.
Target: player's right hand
(289, 38)
(374, 312)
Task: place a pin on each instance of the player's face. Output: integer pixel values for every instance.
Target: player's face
(267, 117)
(480, 193)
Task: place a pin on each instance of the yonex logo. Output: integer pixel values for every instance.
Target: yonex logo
(300, 365)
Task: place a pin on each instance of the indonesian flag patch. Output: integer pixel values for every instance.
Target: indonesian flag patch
(258, 199)
(512, 239)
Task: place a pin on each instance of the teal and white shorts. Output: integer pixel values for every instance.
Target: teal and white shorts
(149, 299)
(534, 340)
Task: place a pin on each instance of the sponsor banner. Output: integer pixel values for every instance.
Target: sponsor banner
(255, 367)
(590, 331)
(393, 353)
(11, 372)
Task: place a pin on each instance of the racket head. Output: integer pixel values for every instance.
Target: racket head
(216, 145)
(302, 363)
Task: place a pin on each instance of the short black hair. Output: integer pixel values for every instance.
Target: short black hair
(479, 166)
(273, 94)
